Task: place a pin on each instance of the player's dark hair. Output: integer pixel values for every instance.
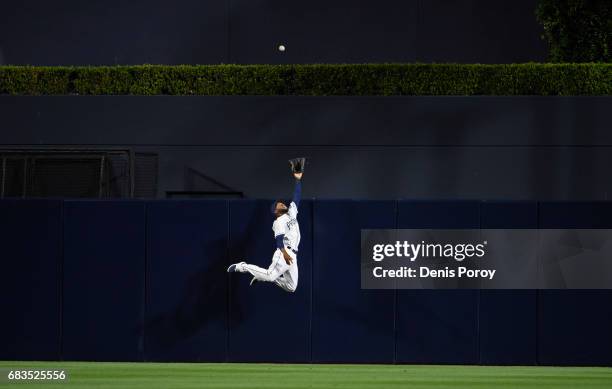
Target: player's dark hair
(273, 207)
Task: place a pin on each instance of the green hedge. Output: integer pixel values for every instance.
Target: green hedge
(312, 80)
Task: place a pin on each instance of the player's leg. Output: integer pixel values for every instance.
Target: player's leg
(243, 267)
(277, 267)
(283, 275)
(289, 280)
(284, 284)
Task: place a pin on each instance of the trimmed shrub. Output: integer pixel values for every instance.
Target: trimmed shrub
(312, 80)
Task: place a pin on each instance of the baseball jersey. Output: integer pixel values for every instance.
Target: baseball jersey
(288, 226)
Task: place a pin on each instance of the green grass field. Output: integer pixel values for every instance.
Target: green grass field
(269, 376)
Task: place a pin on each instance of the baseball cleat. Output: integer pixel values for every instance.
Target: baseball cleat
(234, 267)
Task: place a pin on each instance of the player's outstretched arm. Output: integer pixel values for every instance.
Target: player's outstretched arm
(297, 169)
(297, 192)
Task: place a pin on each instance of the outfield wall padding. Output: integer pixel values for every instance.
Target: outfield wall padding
(30, 279)
(103, 280)
(146, 281)
(574, 325)
(186, 287)
(437, 326)
(349, 324)
(507, 320)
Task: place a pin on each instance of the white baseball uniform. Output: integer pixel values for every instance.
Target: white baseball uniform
(283, 275)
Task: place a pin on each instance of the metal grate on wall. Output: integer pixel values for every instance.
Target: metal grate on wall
(76, 173)
(145, 177)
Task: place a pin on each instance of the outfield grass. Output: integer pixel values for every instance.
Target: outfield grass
(269, 376)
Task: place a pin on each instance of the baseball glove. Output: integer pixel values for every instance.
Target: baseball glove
(297, 165)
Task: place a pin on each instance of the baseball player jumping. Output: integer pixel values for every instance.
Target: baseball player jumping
(283, 270)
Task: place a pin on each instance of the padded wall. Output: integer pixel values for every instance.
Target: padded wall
(349, 324)
(508, 318)
(266, 322)
(437, 326)
(103, 290)
(186, 304)
(30, 243)
(134, 280)
(574, 325)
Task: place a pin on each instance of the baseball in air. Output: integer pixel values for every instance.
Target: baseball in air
(281, 48)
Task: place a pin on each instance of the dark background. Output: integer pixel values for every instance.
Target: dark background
(111, 32)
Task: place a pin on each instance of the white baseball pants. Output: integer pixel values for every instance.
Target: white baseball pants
(283, 275)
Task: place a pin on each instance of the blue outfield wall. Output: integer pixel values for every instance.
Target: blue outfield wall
(574, 326)
(507, 320)
(145, 281)
(437, 326)
(349, 324)
(186, 290)
(103, 280)
(30, 296)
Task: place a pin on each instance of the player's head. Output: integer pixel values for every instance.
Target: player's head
(279, 208)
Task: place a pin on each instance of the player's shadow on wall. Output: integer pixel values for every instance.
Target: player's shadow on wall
(250, 241)
(198, 317)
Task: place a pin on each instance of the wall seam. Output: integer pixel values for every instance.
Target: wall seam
(395, 296)
(312, 263)
(228, 289)
(478, 301)
(146, 283)
(537, 291)
(61, 283)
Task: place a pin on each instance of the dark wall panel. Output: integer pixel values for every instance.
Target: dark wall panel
(479, 31)
(437, 326)
(266, 322)
(385, 31)
(508, 318)
(427, 146)
(111, 32)
(438, 214)
(349, 324)
(146, 280)
(186, 304)
(320, 31)
(104, 268)
(574, 325)
(508, 215)
(328, 120)
(591, 214)
(31, 241)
